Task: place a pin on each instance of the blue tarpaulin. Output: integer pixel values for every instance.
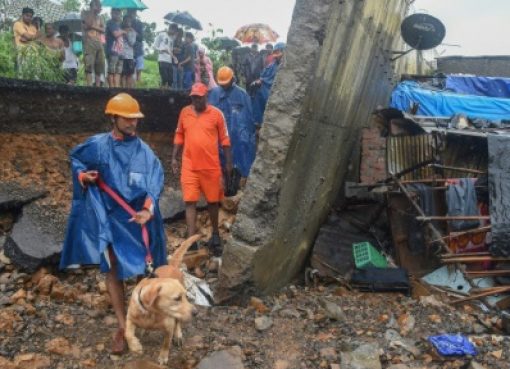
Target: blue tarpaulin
(447, 104)
(480, 86)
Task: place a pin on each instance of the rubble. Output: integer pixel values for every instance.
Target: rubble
(225, 359)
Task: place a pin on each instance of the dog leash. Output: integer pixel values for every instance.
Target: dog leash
(149, 268)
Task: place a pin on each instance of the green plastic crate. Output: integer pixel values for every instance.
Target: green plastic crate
(365, 256)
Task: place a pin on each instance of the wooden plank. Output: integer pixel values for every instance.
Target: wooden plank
(425, 218)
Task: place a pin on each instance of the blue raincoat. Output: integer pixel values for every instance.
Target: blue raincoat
(236, 107)
(262, 94)
(132, 170)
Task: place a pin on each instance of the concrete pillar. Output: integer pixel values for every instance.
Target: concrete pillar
(337, 70)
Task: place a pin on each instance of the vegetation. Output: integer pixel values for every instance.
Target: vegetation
(36, 62)
(7, 55)
(219, 56)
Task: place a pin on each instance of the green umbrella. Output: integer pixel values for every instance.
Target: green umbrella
(124, 4)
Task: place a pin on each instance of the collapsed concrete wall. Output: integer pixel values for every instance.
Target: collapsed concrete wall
(41, 107)
(337, 70)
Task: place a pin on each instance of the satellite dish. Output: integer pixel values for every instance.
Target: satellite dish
(422, 31)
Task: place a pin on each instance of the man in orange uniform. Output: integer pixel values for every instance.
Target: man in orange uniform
(200, 131)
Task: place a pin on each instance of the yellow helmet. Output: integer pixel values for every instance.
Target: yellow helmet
(123, 105)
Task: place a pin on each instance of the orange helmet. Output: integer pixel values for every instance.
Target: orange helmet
(123, 105)
(224, 75)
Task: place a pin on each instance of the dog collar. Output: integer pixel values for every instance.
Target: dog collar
(140, 302)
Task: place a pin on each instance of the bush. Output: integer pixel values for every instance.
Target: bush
(36, 62)
(7, 55)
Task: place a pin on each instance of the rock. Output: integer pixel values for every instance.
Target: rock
(4, 259)
(431, 301)
(8, 320)
(88, 363)
(398, 366)
(13, 196)
(364, 357)
(142, 364)
(6, 364)
(434, 318)
(263, 323)
(497, 354)
(36, 277)
(65, 319)
(61, 346)
(478, 328)
(281, 364)
(31, 242)
(333, 311)
(45, 284)
(392, 335)
(21, 294)
(328, 353)
(258, 305)
(32, 361)
(474, 365)
(225, 359)
(406, 323)
(289, 313)
(172, 206)
(334, 366)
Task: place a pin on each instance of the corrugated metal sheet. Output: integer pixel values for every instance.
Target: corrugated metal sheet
(408, 151)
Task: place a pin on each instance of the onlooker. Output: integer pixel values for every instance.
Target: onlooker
(114, 46)
(93, 32)
(164, 45)
(128, 55)
(23, 29)
(50, 39)
(178, 53)
(186, 64)
(252, 67)
(268, 55)
(138, 48)
(195, 47)
(70, 63)
(204, 70)
(201, 130)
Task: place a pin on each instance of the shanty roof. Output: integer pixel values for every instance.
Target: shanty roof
(46, 9)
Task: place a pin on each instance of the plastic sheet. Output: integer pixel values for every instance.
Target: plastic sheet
(480, 86)
(499, 193)
(453, 345)
(447, 104)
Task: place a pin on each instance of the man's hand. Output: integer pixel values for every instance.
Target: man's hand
(88, 177)
(142, 217)
(175, 166)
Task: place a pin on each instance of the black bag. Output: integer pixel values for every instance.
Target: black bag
(232, 182)
(381, 280)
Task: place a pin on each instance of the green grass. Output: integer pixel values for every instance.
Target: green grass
(150, 75)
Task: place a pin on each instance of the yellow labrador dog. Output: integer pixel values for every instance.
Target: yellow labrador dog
(161, 304)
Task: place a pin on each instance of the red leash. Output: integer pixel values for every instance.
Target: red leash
(124, 205)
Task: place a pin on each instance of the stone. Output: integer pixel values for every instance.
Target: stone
(289, 313)
(142, 364)
(263, 323)
(258, 305)
(406, 323)
(21, 294)
(364, 357)
(13, 196)
(333, 311)
(6, 364)
(474, 365)
(172, 207)
(225, 359)
(65, 319)
(497, 354)
(88, 363)
(45, 284)
(334, 366)
(32, 361)
(31, 242)
(328, 353)
(281, 364)
(110, 321)
(478, 328)
(60, 346)
(398, 366)
(8, 320)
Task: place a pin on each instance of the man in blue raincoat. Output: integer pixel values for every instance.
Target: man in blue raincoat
(100, 231)
(235, 105)
(265, 82)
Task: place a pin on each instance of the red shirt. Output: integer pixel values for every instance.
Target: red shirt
(201, 134)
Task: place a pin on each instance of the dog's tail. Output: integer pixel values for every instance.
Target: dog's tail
(178, 255)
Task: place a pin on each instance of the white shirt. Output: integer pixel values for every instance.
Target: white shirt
(70, 58)
(164, 44)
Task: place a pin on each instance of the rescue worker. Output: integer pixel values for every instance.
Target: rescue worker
(200, 131)
(265, 82)
(235, 105)
(100, 231)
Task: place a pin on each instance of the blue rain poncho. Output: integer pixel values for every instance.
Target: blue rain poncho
(132, 170)
(262, 94)
(236, 107)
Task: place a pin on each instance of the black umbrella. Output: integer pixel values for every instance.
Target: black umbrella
(227, 42)
(71, 20)
(183, 18)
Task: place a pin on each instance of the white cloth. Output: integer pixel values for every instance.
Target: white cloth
(70, 58)
(164, 44)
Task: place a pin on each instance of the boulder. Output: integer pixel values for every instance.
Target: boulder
(172, 206)
(225, 359)
(13, 196)
(364, 357)
(32, 242)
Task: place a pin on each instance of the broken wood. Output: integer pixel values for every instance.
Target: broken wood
(487, 273)
(472, 259)
(483, 294)
(470, 231)
(457, 169)
(446, 256)
(425, 218)
(430, 226)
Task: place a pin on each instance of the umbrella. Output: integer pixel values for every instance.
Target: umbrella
(256, 33)
(227, 42)
(71, 20)
(183, 18)
(124, 4)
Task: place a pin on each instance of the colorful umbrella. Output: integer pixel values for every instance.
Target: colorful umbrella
(256, 33)
(183, 18)
(124, 4)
